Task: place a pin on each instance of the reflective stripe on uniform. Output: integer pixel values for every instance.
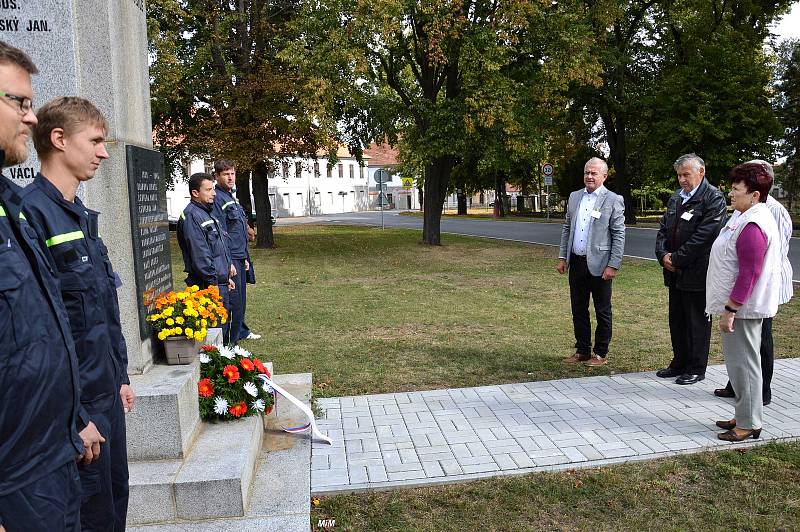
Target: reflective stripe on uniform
(64, 237)
(225, 206)
(2, 211)
(183, 216)
(22, 216)
(206, 223)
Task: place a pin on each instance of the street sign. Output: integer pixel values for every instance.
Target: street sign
(383, 201)
(408, 182)
(547, 169)
(382, 176)
(548, 181)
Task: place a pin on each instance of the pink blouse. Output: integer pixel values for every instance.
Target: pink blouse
(751, 250)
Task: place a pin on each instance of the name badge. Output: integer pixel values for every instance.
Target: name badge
(687, 216)
(596, 214)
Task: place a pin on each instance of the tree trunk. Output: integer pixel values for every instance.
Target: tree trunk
(243, 193)
(499, 196)
(617, 143)
(264, 236)
(437, 178)
(462, 200)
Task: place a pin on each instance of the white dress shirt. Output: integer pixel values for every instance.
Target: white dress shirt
(583, 221)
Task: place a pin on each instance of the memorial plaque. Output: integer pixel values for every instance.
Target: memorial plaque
(150, 228)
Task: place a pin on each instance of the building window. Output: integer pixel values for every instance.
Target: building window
(329, 170)
(285, 168)
(360, 172)
(298, 169)
(341, 170)
(287, 201)
(352, 172)
(316, 168)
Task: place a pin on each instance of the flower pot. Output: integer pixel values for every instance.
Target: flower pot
(180, 350)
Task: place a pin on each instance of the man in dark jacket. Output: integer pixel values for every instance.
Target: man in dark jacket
(695, 214)
(203, 242)
(70, 142)
(39, 484)
(234, 220)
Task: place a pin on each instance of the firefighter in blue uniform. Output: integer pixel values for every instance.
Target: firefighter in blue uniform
(228, 211)
(204, 244)
(69, 140)
(39, 386)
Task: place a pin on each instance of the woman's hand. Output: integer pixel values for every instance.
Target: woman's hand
(726, 322)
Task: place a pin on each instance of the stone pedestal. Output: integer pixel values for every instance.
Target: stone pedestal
(96, 49)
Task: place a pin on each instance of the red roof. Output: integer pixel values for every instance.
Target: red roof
(382, 154)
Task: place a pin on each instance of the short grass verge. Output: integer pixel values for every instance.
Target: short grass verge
(754, 489)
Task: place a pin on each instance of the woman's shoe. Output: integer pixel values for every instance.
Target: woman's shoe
(727, 425)
(731, 435)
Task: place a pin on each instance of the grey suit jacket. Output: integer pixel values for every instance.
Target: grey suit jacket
(606, 234)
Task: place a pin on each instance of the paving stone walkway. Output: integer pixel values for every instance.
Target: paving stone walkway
(442, 436)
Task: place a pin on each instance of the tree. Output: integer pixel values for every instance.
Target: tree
(436, 72)
(679, 76)
(221, 89)
(788, 108)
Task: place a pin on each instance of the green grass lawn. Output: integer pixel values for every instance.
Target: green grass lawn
(371, 311)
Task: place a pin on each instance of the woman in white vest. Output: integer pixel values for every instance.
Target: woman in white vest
(742, 288)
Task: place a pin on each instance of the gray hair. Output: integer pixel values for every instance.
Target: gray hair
(689, 158)
(766, 165)
(597, 160)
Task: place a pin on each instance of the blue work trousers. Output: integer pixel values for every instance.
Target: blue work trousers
(51, 503)
(104, 482)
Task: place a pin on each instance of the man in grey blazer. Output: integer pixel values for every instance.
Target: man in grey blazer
(592, 243)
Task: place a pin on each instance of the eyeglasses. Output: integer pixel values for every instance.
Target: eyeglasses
(24, 103)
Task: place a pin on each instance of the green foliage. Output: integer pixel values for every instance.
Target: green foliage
(788, 107)
(469, 86)
(219, 86)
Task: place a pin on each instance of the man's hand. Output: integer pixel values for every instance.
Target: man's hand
(2, 528)
(667, 260)
(562, 266)
(609, 273)
(232, 271)
(231, 285)
(128, 397)
(91, 443)
(246, 265)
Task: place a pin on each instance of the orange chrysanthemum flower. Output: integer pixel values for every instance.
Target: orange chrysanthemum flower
(231, 372)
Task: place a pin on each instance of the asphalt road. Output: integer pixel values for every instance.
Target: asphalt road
(639, 242)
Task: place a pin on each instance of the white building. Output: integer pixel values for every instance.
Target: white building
(300, 186)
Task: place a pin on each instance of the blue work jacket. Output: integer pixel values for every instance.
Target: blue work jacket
(204, 246)
(68, 232)
(229, 212)
(39, 385)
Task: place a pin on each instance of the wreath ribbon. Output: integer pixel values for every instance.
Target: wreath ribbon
(299, 404)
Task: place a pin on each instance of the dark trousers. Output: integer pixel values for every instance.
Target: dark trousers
(225, 295)
(689, 330)
(767, 360)
(238, 301)
(104, 482)
(50, 503)
(583, 284)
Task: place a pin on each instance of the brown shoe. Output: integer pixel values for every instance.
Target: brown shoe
(577, 358)
(596, 360)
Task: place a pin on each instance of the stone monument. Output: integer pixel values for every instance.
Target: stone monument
(97, 49)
